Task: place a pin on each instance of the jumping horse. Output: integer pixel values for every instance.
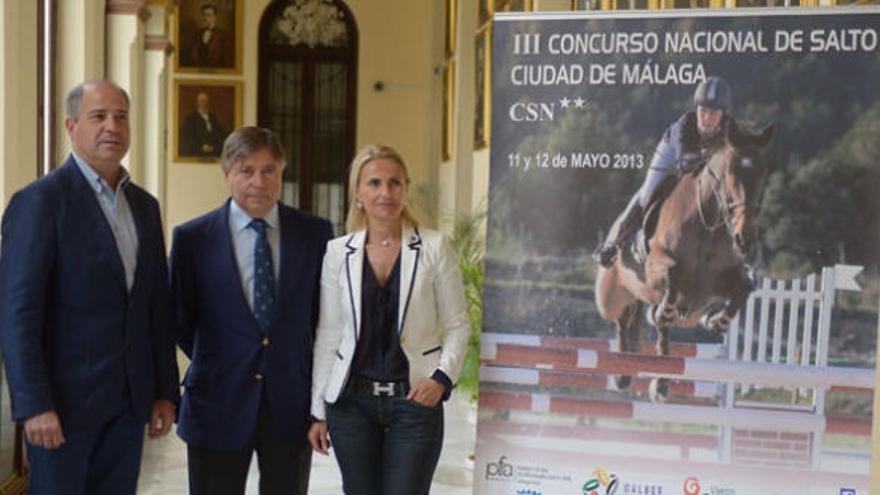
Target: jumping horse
(699, 236)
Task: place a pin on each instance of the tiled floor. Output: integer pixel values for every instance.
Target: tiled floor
(163, 471)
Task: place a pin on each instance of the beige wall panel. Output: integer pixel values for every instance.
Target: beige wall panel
(183, 203)
(18, 97)
(405, 113)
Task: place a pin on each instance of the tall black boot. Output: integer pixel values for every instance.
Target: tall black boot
(621, 229)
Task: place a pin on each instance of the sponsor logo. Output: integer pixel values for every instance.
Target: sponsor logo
(501, 470)
(601, 484)
(692, 487)
(642, 489)
(847, 491)
(528, 492)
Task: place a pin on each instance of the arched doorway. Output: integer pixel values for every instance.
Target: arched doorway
(307, 90)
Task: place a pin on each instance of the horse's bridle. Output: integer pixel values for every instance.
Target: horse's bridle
(726, 207)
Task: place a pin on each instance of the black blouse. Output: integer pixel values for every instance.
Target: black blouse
(378, 355)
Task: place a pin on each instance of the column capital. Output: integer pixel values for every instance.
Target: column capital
(129, 7)
(158, 42)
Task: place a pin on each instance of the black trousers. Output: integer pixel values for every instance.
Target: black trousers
(283, 469)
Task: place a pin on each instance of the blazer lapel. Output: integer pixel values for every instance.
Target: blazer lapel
(290, 256)
(139, 216)
(84, 195)
(229, 262)
(354, 269)
(411, 244)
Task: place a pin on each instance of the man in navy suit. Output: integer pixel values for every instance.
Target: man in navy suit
(86, 323)
(245, 280)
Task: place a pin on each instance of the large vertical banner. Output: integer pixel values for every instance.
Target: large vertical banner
(730, 162)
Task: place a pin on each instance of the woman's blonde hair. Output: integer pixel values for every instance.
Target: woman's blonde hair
(357, 217)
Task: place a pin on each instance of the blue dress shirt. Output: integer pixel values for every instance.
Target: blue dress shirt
(118, 215)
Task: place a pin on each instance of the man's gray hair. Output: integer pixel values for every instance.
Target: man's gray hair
(75, 95)
(246, 141)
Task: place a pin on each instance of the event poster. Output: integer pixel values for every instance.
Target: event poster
(727, 345)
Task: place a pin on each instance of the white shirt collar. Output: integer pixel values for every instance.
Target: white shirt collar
(240, 219)
(95, 181)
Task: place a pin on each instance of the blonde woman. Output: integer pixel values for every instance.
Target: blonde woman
(391, 337)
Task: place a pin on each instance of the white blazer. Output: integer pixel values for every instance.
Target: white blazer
(433, 321)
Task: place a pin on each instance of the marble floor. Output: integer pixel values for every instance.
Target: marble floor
(163, 471)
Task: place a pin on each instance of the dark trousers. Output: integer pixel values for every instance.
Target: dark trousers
(385, 445)
(104, 461)
(283, 469)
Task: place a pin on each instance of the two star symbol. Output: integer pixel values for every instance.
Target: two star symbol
(578, 102)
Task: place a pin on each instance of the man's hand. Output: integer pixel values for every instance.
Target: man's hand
(162, 418)
(427, 392)
(318, 437)
(44, 430)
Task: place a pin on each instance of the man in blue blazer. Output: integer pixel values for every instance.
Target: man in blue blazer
(245, 280)
(86, 323)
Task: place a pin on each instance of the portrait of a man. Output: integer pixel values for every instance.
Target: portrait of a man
(207, 35)
(207, 112)
(202, 133)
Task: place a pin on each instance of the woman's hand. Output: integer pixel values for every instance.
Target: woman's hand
(318, 437)
(427, 392)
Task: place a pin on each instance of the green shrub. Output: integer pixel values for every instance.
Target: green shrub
(467, 240)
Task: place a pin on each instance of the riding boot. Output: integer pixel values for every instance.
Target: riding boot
(623, 227)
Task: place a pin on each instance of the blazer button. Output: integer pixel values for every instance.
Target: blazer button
(265, 341)
(258, 376)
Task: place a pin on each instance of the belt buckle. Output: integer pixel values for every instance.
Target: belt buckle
(380, 388)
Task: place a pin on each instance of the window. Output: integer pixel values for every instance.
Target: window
(308, 54)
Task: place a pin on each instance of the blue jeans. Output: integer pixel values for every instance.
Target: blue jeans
(385, 445)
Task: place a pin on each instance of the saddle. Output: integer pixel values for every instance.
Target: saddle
(639, 243)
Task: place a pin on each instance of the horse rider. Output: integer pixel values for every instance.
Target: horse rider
(683, 144)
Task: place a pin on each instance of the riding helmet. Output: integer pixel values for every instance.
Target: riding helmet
(714, 92)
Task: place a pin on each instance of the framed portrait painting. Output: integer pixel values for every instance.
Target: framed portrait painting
(205, 112)
(207, 36)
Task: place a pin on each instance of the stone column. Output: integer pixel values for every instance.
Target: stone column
(155, 92)
(125, 65)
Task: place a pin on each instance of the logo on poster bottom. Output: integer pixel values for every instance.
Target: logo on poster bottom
(499, 470)
(847, 491)
(692, 487)
(602, 480)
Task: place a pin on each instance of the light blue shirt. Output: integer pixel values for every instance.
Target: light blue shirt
(243, 239)
(118, 215)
